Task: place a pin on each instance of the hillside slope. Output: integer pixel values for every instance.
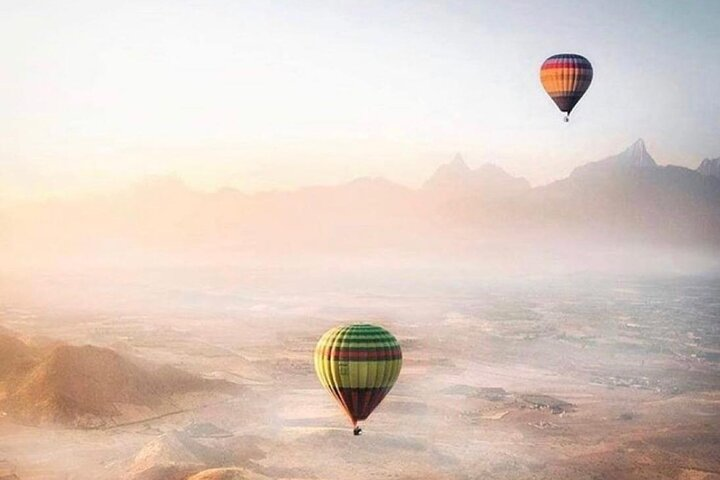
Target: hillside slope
(91, 387)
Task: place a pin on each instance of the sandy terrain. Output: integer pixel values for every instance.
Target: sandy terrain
(538, 379)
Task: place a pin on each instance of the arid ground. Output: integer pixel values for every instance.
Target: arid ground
(575, 376)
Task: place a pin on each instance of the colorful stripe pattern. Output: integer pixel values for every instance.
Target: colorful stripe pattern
(358, 364)
(565, 78)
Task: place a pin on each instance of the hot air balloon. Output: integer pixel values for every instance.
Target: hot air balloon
(358, 365)
(566, 77)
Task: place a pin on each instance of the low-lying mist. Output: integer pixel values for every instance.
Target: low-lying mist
(564, 331)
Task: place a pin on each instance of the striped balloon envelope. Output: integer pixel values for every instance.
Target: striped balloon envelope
(358, 365)
(566, 77)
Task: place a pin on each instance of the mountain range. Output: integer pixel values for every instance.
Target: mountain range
(624, 197)
(457, 180)
(629, 194)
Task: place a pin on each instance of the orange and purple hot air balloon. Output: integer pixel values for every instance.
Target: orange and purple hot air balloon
(565, 78)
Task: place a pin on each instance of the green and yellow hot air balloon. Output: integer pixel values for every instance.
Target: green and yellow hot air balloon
(358, 365)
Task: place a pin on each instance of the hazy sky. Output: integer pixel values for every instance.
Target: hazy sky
(274, 94)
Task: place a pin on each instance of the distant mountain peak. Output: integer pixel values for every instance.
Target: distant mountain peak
(638, 144)
(710, 167)
(458, 163)
(161, 186)
(634, 157)
(457, 179)
(373, 186)
(362, 181)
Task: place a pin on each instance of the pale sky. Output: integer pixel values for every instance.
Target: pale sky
(272, 94)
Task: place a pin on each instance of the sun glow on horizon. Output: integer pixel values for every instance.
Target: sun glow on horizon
(262, 96)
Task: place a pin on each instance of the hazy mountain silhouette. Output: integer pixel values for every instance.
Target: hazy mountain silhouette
(456, 179)
(635, 157)
(710, 167)
(627, 195)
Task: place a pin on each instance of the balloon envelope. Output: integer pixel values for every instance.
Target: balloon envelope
(566, 77)
(358, 365)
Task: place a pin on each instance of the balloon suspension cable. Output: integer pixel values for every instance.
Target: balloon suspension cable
(357, 431)
(567, 118)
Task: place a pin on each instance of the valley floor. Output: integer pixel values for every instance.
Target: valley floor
(541, 379)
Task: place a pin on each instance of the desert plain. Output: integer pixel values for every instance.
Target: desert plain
(579, 376)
